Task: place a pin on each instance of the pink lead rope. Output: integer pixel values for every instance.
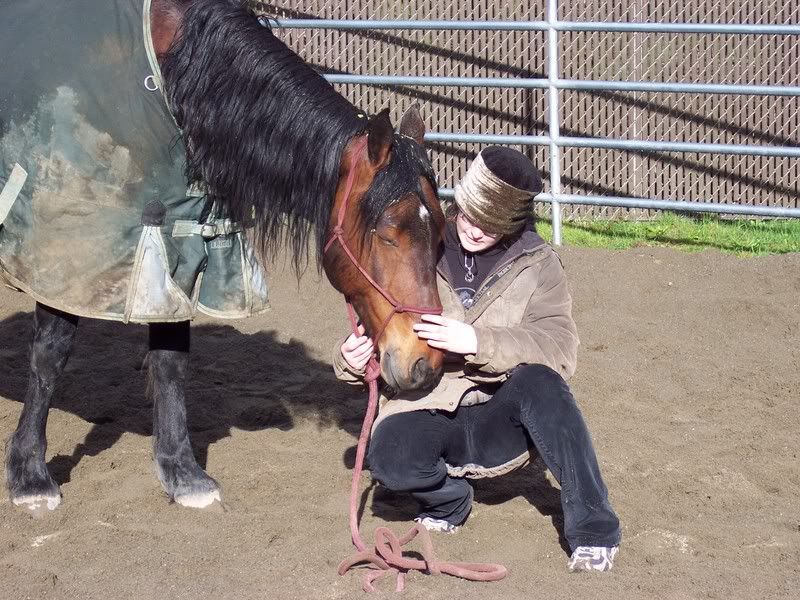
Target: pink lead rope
(387, 555)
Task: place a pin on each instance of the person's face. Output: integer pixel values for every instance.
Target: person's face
(472, 237)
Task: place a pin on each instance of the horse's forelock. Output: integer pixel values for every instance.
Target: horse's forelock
(397, 179)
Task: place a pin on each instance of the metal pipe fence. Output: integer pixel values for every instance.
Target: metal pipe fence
(553, 84)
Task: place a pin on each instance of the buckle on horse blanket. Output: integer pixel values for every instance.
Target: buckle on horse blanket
(208, 231)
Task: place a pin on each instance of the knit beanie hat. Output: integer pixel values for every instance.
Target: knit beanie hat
(497, 191)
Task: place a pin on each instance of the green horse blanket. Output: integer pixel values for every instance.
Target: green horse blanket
(95, 215)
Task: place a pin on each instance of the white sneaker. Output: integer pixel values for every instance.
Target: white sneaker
(592, 558)
(438, 525)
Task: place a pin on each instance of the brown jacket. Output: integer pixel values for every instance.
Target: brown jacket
(521, 314)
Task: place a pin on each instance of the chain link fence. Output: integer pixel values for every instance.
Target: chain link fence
(688, 58)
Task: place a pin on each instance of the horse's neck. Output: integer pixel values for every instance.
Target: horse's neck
(165, 19)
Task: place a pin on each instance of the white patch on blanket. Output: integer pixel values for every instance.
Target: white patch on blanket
(155, 291)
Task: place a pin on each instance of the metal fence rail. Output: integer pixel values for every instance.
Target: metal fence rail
(568, 84)
(647, 146)
(553, 84)
(365, 24)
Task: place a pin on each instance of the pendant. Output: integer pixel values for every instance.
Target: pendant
(469, 276)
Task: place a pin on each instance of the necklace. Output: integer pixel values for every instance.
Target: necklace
(469, 276)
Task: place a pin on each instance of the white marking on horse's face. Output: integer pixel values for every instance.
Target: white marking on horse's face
(424, 217)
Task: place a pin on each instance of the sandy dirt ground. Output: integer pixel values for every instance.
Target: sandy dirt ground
(689, 378)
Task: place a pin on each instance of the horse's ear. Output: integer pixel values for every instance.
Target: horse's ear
(379, 138)
(412, 125)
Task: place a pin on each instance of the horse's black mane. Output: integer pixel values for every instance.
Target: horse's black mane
(263, 130)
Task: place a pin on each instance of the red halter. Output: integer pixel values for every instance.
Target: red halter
(387, 555)
(338, 234)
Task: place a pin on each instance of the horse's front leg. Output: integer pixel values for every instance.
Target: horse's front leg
(29, 482)
(180, 475)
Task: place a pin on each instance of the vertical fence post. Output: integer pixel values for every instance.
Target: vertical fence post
(553, 116)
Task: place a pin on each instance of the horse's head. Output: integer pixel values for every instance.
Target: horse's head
(388, 216)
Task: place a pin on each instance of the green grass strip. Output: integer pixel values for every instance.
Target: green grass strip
(744, 237)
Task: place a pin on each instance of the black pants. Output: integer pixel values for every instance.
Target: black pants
(409, 452)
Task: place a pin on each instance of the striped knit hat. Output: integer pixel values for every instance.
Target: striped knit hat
(498, 189)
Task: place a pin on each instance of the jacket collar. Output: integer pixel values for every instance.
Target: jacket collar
(527, 244)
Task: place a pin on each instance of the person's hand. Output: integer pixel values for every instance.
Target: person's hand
(451, 335)
(357, 350)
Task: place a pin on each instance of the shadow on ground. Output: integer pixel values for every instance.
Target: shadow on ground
(251, 382)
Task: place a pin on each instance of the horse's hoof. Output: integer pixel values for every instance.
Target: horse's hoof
(187, 484)
(197, 491)
(37, 504)
(30, 485)
(199, 499)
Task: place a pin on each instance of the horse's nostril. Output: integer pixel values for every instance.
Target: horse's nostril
(421, 372)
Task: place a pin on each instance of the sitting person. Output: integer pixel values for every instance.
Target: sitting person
(511, 342)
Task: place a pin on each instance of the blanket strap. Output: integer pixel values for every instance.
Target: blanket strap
(11, 190)
(184, 228)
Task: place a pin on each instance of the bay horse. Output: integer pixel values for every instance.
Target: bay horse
(274, 151)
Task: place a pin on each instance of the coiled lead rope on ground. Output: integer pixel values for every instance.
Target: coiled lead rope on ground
(386, 557)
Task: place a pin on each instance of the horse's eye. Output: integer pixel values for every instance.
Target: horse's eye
(385, 239)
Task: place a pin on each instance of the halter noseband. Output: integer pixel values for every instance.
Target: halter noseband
(338, 235)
